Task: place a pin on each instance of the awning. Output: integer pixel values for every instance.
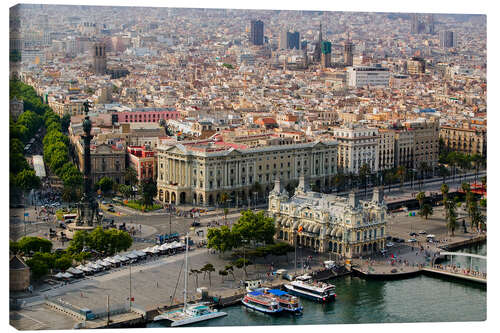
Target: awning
(316, 229)
(74, 271)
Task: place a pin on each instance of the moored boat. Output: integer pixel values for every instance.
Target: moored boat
(191, 314)
(305, 286)
(286, 301)
(259, 301)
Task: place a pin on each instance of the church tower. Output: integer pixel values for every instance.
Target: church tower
(99, 57)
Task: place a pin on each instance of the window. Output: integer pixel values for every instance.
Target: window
(358, 236)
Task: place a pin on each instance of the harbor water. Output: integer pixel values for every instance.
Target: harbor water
(418, 299)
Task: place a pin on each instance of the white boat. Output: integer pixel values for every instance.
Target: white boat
(305, 286)
(192, 313)
(258, 301)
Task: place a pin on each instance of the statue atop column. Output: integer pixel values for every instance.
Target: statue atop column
(87, 207)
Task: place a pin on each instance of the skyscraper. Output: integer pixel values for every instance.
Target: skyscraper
(99, 57)
(326, 54)
(293, 40)
(447, 39)
(257, 32)
(284, 39)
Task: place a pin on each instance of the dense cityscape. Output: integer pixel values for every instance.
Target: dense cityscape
(174, 166)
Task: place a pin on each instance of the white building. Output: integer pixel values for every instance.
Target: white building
(357, 146)
(362, 76)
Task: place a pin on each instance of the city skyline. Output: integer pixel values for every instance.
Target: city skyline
(353, 143)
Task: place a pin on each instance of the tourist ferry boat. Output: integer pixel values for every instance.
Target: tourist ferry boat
(305, 286)
(189, 315)
(259, 301)
(286, 301)
(192, 313)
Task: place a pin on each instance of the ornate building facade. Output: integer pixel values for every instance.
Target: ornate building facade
(199, 173)
(327, 223)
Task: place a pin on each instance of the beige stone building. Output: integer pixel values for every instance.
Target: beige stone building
(465, 139)
(327, 223)
(72, 107)
(426, 142)
(199, 173)
(358, 145)
(386, 149)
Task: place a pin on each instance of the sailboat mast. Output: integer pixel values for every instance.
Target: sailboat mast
(186, 273)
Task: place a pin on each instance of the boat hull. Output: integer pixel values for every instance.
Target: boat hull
(263, 310)
(314, 298)
(192, 320)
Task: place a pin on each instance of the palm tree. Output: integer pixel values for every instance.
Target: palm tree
(195, 272)
(401, 171)
(421, 199)
(422, 168)
(444, 191)
(451, 216)
(222, 273)
(208, 269)
(223, 198)
(426, 210)
(363, 172)
(230, 270)
(443, 172)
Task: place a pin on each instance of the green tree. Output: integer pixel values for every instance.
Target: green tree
(401, 172)
(148, 191)
(208, 269)
(105, 184)
(230, 270)
(38, 267)
(255, 227)
(223, 273)
(13, 247)
(65, 122)
(63, 263)
(130, 176)
(34, 244)
(421, 199)
(221, 239)
(195, 272)
(444, 192)
(126, 190)
(451, 216)
(27, 180)
(426, 210)
(242, 263)
(224, 197)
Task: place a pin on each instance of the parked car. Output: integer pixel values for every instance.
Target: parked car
(111, 209)
(412, 240)
(195, 224)
(413, 233)
(422, 232)
(390, 244)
